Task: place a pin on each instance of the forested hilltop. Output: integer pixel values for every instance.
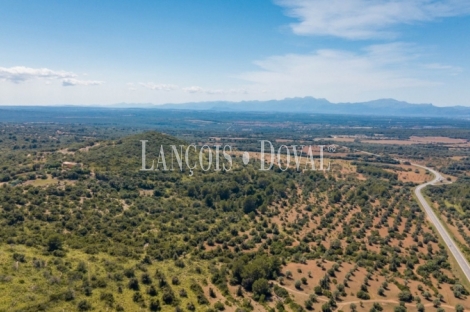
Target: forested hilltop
(83, 229)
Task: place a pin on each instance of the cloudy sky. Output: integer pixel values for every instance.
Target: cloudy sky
(174, 51)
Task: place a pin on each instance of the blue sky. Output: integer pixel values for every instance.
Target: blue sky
(105, 52)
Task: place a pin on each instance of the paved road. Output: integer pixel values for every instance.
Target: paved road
(435, 220)
(437, 223)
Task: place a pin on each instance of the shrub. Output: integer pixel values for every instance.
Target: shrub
(155, 305)
(288, 274)
(108, 298)
(190, 306)
(179, 263)
(168, 296)
(326, 307)
(19, 257)
(261, 287)
(399, 309)
(137, 297)
(363, 295)
(69, 295)
(308, 304)
(145, 278)
(426, 295)
(380, 291)
(84, 306)
(212, 293)
(54, 243)
(458, 290)
(219, 306)
(420, 307)
(281, 292)
(405, 296)
(133, 284)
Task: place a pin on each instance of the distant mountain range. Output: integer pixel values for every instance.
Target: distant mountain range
(311, 105)
(382, 107)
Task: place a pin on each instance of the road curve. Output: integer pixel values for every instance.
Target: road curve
(459, 257)
(437, 223)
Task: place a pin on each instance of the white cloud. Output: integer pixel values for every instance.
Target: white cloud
(159, 87)
(342, 75)
(20, 73)
(237, 91)
(190, 90)
(453, 70)
(131, 86)
(215, 91)
(365, 19)
(196, 89)
(69, 82)
(193, 89)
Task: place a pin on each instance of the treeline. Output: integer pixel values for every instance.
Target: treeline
(375, 171)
